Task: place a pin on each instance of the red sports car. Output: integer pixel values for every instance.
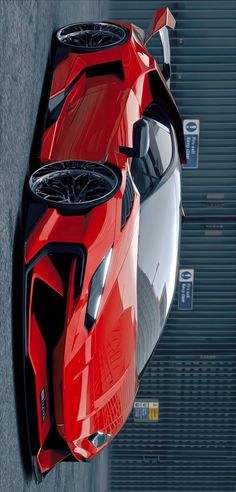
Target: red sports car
(104, 209)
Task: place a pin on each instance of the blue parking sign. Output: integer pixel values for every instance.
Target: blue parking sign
(191, 138)
(185, 294)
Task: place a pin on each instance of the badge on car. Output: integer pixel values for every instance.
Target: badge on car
(43, 404)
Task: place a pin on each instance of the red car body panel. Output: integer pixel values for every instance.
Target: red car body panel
(102, 388)
(94, 373)
(88, 118)
(105, 109)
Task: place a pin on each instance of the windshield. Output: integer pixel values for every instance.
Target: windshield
(148, 170)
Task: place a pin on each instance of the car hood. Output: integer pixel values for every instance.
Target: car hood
(99, 377)
(97, 117)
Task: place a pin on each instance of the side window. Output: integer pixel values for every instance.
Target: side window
(148, 170)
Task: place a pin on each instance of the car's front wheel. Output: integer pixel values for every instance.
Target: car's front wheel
(75, 185)
(91, 36)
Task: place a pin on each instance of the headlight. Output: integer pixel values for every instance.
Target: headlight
(99, 438)
(96, 290)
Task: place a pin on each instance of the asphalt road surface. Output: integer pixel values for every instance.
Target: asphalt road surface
(26, 28)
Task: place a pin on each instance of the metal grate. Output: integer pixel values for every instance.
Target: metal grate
(193, 371)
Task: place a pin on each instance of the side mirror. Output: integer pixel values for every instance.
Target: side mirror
(141, 140)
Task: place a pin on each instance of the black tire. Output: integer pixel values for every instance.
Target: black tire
(74, 187)
(88, 37)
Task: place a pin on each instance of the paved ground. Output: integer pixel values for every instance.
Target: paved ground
(26, 28)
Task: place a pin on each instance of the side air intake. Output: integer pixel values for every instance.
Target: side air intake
(127, 201)
(109, 68)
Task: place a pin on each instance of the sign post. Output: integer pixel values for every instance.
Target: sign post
(146, 411)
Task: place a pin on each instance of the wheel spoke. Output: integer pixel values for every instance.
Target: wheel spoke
(96, 35)
(74, 182)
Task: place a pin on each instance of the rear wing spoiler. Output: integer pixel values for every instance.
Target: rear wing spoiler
(161, 21)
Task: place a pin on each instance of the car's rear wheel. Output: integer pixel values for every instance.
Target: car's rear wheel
(75, 185)
(91, 36)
